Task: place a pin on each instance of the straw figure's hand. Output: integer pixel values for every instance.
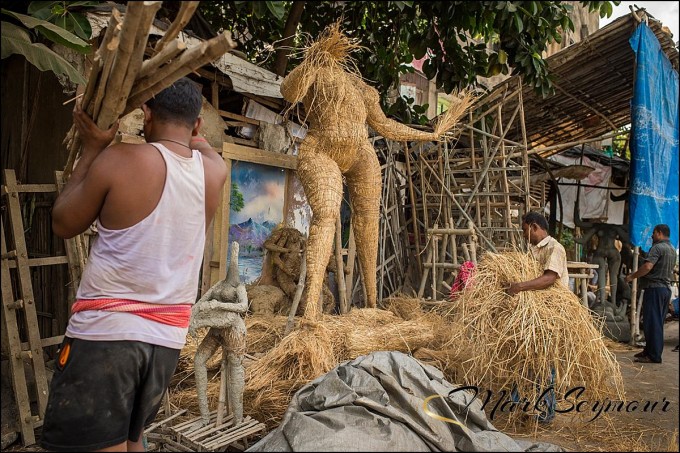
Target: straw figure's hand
(396, 131)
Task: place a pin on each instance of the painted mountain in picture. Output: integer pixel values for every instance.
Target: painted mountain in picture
(250, 235)
(256, 207)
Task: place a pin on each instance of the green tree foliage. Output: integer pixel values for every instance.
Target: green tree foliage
(453, 34)
(236, 201)
(57, 22)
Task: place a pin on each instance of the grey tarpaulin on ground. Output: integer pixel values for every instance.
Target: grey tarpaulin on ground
(375, 403)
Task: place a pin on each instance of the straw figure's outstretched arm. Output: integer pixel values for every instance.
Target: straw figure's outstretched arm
(296, 84)
(396, 131)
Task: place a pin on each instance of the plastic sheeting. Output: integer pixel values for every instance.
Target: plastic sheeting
(654, 142)
(375, 403)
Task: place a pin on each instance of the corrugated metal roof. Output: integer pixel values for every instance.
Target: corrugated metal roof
(594, 87)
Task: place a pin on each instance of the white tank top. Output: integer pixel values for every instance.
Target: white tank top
(157, 260)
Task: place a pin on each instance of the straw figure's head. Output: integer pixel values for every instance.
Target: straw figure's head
(332, 49)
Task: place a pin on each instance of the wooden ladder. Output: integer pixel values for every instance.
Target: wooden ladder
(22, 308)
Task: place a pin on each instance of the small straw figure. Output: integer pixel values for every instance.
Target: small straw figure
(286, 246)
(338, 105)
(221, 308)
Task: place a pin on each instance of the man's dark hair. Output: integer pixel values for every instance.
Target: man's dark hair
(180, 102)
(663, 229)
(534, 217)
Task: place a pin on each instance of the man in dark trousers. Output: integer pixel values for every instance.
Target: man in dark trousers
(658, 273)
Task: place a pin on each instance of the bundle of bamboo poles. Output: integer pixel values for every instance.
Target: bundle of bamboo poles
(121, 80)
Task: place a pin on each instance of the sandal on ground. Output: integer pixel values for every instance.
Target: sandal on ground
(645, 360)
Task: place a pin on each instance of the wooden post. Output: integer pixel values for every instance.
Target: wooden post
(224, 227)
(222, 403)
(298, 295)
(351, 257)
(634, 323)
(414, 211)
(584, 292)
(340, 274)
(435, 241)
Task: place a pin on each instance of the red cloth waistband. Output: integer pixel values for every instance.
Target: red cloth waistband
(176, 315)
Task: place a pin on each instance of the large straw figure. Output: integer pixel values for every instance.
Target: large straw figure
(339, 105)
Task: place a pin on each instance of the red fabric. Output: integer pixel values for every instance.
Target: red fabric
(176, 315)
(462, 279)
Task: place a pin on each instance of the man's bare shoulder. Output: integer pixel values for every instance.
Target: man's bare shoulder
(126, 151)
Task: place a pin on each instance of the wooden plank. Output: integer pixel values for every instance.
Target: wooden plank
(45, 342)
(164, 421)
(31, 317)
(13, 342)
(35, 188)
(236, 116)
(223, 240)
(47, 261)
(258, 156)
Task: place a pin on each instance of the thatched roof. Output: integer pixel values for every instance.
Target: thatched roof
(594, 87)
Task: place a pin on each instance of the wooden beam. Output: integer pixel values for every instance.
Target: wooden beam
(258, 156)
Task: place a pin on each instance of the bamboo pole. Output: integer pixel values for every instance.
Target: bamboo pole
(209, 51)
(298, 295)
(414, 211)
(351, 256)
(340, 273)
(137, 57)
(168, 53)
(114, 88)
(186, 11)
(634, 325)
(504, 174)
(162, 73)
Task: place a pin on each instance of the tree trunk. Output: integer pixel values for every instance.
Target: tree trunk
(283, 50)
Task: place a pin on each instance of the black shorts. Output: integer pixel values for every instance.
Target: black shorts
(103, 393)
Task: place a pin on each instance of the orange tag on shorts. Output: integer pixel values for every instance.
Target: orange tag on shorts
(63, 355)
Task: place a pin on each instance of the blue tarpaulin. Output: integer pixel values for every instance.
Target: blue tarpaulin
(654, 141)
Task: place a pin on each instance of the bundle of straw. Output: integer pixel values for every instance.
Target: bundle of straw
(317, 347)
(517, 341)
(120, 81)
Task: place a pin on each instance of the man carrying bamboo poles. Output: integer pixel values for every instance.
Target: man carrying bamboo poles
(552, 258)
(152, 203)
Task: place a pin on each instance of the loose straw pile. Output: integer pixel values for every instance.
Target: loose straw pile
(516, 341)
(120, 80)
(317, 347)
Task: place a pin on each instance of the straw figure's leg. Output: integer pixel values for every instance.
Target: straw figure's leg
(205, 350)
(234, 347)
(365, 185)
(322, 182)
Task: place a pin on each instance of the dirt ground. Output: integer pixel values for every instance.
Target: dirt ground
(655, 430)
